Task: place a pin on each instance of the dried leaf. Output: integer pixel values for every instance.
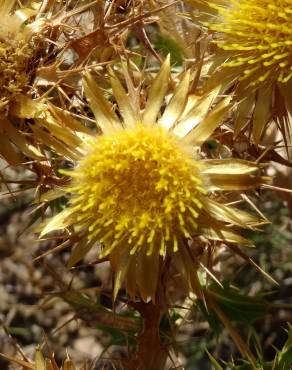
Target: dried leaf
(6, 6)
(24, 364)
(232, 174)
(61, 133)
(196, 109)
(18, 139)
(59, 115)
(121, 263)
(47, 75)
(49, 365)
(53, 143)
(25, 107)
(51, 195)
(7, 151)
(188, 269)
(229, 167)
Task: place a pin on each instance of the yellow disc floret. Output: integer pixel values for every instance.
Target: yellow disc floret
(258, 35)
(138, 186)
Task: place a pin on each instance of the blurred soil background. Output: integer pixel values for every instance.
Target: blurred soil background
(27, 310)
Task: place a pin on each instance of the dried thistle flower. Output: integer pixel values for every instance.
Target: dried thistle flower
(15, 53)
(14, 58)
(24, 32)
(142, 189)
(254, 54)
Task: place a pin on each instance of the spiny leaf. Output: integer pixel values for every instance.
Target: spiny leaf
(237, 306)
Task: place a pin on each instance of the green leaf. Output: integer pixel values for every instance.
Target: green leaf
(167, 45)
(284, 357)
(238, 306)
(210, 316)
(216, 365)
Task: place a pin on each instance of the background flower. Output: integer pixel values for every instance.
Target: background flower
(254, 56)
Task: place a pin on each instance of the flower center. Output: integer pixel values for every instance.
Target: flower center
(138, 185)
(259, 32)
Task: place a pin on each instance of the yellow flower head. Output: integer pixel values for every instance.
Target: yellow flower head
(141, 187)
(258, 35)
(254, 58)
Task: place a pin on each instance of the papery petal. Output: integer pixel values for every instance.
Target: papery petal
(102, 109)
(176, 105)
(127, 111)
(157, 93)
(196, 109)
(214, 119)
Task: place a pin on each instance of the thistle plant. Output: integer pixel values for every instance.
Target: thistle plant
(142, 189)
(143, 192)
(134, 161)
